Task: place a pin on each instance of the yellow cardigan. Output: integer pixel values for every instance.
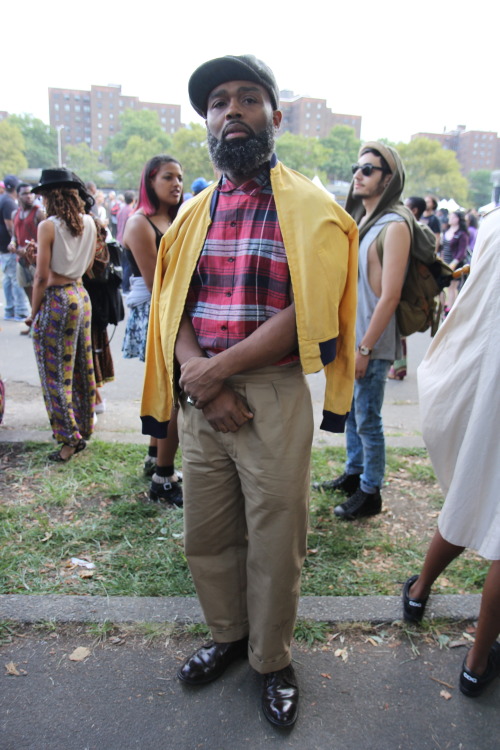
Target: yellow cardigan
(321, 243)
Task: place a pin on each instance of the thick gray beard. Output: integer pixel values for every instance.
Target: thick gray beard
(242, 156)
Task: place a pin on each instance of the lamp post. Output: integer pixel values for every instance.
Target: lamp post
(59, 148)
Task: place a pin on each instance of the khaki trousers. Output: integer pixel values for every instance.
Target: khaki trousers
(246, 510)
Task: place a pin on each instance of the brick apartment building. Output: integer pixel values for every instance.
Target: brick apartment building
(303, 115)
(475, 149)
(93, 117)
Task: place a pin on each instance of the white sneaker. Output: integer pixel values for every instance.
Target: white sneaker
(100, 408)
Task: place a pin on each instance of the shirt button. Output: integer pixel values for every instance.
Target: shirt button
(228, 294)
(230, 260)
(233, 223)
(223, 328)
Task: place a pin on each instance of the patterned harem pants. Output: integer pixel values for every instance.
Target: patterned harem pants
(63, 350)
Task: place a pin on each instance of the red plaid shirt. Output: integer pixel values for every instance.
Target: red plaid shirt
(242, 276)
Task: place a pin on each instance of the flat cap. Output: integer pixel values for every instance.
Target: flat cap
(230, 68)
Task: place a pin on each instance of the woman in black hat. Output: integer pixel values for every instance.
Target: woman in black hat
(61, 312)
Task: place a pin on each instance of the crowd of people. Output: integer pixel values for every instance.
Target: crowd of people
(233, 297)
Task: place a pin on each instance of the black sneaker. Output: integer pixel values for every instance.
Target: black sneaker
(347, 483)
(168, 492)
(360, 504)
(472, 684)
(413, 609)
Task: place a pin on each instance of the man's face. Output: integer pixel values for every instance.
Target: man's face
(373, 185)
(26, 197)
(241, 126)
(429, 202)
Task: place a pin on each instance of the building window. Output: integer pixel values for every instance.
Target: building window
(56, 107)
(67, 107)
(99, 124)
(99, 115)
(111, 116)
(172, 120)
(66, 97)
(163, 120)
(99, 94)
(86, 108)
(77, 107)
(121, 102)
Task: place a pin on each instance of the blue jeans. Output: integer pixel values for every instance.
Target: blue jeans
(364, 428)
(16, 301)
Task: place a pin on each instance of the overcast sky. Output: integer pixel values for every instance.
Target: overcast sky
(402, 72)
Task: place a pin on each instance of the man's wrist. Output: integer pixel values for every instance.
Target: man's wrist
(364, 350)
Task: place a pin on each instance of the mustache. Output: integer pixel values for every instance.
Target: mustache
(241, 126)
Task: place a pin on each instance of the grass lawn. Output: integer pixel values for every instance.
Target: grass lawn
(95, 508)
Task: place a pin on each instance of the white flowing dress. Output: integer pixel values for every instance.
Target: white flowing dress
(459, 393)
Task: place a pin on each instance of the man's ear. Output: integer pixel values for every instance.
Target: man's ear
(277, 117)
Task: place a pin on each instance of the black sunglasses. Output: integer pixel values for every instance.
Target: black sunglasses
(366, 169)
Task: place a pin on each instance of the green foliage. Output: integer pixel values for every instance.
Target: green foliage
(342, 147)
(85, 162)
(189, 146)
(306, 155)
(309, 632)
(40, 141)
(12, 147)
(142, 123)
(139, 139)
(129, 163)
(432, 169)
(480, 187)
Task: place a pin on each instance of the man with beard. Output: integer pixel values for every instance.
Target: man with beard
(375, 192)
(255, 285)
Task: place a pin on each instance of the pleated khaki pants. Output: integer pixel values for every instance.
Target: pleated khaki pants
(246, 509)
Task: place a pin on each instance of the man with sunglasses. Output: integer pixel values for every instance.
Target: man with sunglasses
(377, 185)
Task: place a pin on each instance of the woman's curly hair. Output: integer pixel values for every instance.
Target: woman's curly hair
(66, 204)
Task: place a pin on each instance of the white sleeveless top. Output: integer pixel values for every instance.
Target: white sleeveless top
(71, 256)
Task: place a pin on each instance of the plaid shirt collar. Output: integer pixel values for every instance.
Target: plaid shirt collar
(252, 187)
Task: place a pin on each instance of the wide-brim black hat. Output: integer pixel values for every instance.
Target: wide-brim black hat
(56, 178)
(230, 68)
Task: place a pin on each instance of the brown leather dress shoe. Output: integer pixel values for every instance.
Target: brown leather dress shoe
(280, 697)
(211, 660)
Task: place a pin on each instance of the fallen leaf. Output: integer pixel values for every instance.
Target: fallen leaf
(326, 675)
(341, 653)
(79, 654)
(12, 669)
(445, 694)
(85, 573)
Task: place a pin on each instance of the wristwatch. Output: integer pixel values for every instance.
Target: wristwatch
(364, 350)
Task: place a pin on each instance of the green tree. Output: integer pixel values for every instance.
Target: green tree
(40, 141)
(342, 146)
(129, 162)
(85, 162)
(142, 123)
(189, 146)
(480, 187)
(12, 146)
(306, 155)
(432, 169)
